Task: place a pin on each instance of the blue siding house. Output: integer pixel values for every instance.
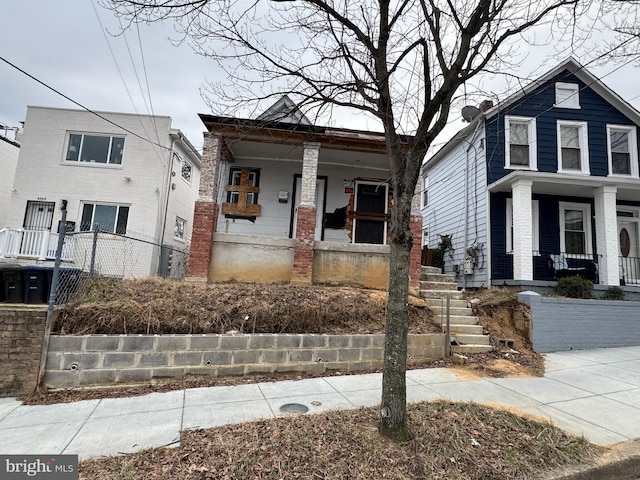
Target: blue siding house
(543, 185)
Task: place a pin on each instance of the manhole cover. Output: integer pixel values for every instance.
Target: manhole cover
(294, 408)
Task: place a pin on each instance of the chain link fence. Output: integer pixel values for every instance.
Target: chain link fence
(89, 255)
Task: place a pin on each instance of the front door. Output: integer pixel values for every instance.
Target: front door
(370, 213)
(39, 215)
(629, 250)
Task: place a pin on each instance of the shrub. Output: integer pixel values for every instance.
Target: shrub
(574, 287)
(613, 293)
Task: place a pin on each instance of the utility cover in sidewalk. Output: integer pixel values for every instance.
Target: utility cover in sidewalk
(294, 408)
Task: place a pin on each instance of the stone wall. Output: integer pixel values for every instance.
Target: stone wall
(21, 336)
(92, 360)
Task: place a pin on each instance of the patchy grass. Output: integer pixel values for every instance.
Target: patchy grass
(464, 441)
(160, 306)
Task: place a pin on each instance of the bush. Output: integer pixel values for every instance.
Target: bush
(613, 293)
(574, 287)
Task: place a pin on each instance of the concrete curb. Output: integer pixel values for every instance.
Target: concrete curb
(622, 462)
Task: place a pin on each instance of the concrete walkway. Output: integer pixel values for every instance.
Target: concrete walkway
(594, 393)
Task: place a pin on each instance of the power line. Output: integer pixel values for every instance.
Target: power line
(80, 105)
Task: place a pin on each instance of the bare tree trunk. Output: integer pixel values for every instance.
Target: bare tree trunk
(393, 408)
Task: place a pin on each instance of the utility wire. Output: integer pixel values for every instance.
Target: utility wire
(80, 105)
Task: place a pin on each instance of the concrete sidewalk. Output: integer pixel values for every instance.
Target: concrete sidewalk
(594, 393)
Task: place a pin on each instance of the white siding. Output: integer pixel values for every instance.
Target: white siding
(445, 214)
(8, 161)
(278, 175)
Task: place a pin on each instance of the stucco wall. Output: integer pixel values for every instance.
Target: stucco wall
(560, 324)
(77, 361)
(364, 265)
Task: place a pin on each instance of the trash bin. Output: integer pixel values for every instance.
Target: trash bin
(12, 288)
(36, 284)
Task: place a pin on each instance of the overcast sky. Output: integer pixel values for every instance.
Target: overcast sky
(61, 42)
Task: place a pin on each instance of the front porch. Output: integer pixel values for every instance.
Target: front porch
(549, 225)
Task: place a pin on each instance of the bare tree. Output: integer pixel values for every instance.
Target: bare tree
(399, 61)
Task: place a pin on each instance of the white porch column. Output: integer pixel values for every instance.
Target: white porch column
(522, 230)
(607, 235)
(309, 174)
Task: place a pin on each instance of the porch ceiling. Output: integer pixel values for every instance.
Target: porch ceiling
(247, 150)
(546, 183)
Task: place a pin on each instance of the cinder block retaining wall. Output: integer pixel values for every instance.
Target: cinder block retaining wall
(560, 324)
(92, 360)
(21, 334)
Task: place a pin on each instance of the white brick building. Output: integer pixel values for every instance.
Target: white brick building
(130, 174)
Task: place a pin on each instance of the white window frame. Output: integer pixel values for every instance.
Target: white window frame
(186, 165)
(630, 130)
(424, 198)
(107, 163)
(532, 136)
(535, 227)
(179, 233)
(586, 215)
(583, 136)
(425, 236)
(567, 95)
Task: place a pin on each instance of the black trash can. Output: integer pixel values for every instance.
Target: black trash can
(36, 284)
(12, 285)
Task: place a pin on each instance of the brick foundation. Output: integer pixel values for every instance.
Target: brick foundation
(21, 337)
(205, 218)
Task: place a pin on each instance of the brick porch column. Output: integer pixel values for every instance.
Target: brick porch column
(205, 214)
(415, 224)
(607, 235)
(306, 217)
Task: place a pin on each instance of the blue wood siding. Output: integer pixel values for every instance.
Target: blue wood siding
(539, 104)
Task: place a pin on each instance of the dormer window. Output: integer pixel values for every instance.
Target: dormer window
(567, 95)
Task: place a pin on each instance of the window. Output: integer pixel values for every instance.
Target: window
(535, 220)
(567, 95)
(425, 237)
(242, 193)
(179, 228)
(520, 143)
(575, 228)
(186, 171)
(108, 218)
(622, 150)
(425, 191)
(573, 151)
(95, 149)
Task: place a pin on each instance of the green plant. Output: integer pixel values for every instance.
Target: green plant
(613, 293)
(574, 287)
(445, 246)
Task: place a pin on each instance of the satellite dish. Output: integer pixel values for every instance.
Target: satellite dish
(470, 112)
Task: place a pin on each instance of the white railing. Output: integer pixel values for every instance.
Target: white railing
(34, 244)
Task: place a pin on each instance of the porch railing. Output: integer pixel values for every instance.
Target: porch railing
(546, 269)
(629, 270)
(32, 244)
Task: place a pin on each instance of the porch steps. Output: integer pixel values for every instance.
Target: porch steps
(467, 335)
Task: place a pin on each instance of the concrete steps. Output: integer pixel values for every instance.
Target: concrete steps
(467, 335)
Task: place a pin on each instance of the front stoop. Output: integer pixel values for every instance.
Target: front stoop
(467, 335)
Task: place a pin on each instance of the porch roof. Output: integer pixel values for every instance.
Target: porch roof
(249, 138)
(550, 183)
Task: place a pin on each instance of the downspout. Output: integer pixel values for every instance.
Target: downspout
(168, 187)
(466, 201)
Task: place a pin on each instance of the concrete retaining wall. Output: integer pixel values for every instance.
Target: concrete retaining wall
(21, 336)
(560, 324)
(79, 361)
